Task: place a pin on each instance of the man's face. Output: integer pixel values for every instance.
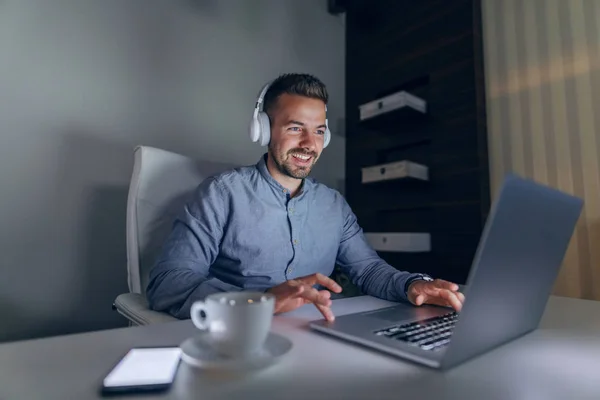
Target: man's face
(297, 134)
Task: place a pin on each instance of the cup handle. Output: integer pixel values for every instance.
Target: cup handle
(196, 311)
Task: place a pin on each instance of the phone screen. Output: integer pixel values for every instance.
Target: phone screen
(144, 369)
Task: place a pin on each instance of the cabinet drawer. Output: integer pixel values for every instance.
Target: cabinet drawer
(395, 170)
(399, 242)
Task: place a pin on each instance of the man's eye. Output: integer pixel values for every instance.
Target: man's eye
(321, 132)
(295, 128)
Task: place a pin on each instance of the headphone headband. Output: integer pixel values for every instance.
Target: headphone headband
(261, 98)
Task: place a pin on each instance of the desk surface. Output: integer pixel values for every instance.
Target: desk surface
(558, 361)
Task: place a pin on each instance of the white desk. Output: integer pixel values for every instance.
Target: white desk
(559, 361)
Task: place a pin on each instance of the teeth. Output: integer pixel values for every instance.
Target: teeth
(301, 156)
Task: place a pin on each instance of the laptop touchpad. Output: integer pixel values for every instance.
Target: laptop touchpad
(393, 314)
(397, 314)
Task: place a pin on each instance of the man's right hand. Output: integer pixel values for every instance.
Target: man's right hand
(297, 292)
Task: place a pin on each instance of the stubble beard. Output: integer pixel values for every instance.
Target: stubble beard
(285, 166)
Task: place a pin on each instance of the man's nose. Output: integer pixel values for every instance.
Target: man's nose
(308, 141)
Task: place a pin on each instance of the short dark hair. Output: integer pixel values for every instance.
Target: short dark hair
(294, 83)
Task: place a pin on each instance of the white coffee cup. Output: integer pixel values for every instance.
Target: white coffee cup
(238, 322)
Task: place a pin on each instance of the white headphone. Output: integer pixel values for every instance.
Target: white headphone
(260, 128)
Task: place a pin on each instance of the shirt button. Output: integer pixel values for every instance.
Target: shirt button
(289, 270)
(295, 241)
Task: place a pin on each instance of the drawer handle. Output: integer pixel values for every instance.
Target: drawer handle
(382, 170)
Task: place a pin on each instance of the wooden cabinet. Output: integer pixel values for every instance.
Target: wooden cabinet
(416, 141)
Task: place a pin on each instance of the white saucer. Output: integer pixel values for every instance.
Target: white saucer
(197, 351)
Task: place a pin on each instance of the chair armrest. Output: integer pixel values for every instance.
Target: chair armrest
(134, 307)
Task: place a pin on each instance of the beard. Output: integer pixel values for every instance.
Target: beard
(285, 164)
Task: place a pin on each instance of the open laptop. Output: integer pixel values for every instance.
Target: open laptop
(516, 263)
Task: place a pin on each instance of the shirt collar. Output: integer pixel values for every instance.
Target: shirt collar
(264, 171)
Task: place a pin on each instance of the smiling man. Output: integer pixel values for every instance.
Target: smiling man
(269, 227)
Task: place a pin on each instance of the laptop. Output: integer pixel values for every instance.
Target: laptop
(518, 258)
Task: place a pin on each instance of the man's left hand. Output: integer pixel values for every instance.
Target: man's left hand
(438, 292)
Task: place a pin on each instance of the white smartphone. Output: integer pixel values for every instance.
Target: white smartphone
(143, 369)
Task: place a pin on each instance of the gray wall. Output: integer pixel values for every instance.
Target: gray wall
(84, 81)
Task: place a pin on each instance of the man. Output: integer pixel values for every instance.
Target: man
(269, 227)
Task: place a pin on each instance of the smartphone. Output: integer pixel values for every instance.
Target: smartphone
(143, 369)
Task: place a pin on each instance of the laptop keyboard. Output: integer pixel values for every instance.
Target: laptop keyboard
(429, 334)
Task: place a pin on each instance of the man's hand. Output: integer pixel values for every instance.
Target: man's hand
(438, 292)
(298, 292)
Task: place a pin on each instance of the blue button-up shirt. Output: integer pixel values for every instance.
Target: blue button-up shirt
(243, 231)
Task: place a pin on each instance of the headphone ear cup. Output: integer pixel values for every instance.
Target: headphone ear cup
(254, 130)
(327, 138)
(264, 128)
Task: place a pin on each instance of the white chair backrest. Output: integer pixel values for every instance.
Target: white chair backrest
(161, 184)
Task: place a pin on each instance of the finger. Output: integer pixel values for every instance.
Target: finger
(434, 289)
(443, 297)
(315, 296)
(420, 299)
(282, 299)
(324, 294)
(433, 300)
(322, 280)
(443, 284)
(326, 311)
(451, 298)
(288, 305)
(461, 297)
(293, 291)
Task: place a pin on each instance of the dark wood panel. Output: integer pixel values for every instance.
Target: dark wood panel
(413, 39)
(378, 79)
(413, 262)
(393, 17)
(432, 49)
(454, 218)
(444, 187)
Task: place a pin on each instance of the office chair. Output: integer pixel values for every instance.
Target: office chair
(160, 185)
